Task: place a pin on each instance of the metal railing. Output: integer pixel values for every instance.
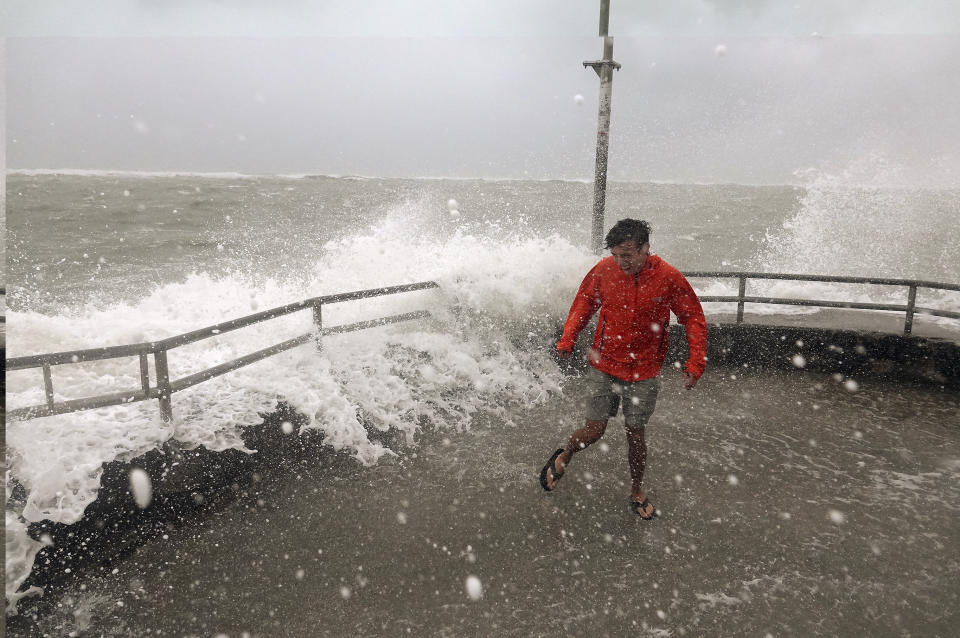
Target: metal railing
(910, 308)
(165, 386)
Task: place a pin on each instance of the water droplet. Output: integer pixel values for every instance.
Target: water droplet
(474, 588)
(141, 487)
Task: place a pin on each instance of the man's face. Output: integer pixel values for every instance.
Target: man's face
(629, 257)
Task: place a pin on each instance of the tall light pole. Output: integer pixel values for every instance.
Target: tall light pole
(604, 68)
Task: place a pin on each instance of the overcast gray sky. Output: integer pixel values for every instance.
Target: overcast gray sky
(709, 91)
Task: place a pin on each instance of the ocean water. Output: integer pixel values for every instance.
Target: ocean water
(108, 259)
(88, 239)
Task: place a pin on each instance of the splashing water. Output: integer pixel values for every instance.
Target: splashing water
(851, 225)
(867, 221)
(402, 378)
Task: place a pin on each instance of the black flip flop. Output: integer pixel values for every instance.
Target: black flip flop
(549, 467)
(639, 507)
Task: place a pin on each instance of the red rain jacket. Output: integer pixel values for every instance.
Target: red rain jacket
(631, 338)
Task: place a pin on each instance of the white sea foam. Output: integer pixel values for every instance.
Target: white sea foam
(20, 551)
(440, 372)
(497, 287)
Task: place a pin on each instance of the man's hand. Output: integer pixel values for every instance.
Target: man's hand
(690, 380)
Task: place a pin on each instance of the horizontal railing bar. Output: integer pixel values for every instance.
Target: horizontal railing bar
(373, 323)
(76, 356)
(209, 373)
(253, 357)
(937, 312)
(826, 304)
(234, 324)
(829, 304)
(101, 401)
(805, 302)
(375, 292)
(822, 278)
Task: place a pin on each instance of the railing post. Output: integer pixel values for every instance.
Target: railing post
(144, 375)
(911, 303)
(318, 325)
(48, 385)
(163, 385)
(740, 301)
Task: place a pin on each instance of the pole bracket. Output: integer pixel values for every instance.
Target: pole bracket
(596, 65)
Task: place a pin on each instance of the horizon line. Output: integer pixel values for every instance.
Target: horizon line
(84, 172)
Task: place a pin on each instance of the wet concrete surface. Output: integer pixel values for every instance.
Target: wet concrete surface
(792, 504)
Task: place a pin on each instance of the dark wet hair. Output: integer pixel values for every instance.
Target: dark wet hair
(627, 229)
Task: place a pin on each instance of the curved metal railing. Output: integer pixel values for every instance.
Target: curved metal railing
(910, 308)
(165, 386)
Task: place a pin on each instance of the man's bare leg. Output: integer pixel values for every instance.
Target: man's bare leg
(587, 435)
(637, 457)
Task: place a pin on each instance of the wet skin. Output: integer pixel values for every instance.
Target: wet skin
(631, 259)
(591, 433)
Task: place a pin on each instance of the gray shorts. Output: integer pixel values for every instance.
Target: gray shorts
(604, 394)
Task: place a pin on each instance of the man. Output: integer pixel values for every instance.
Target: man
(635, 292)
